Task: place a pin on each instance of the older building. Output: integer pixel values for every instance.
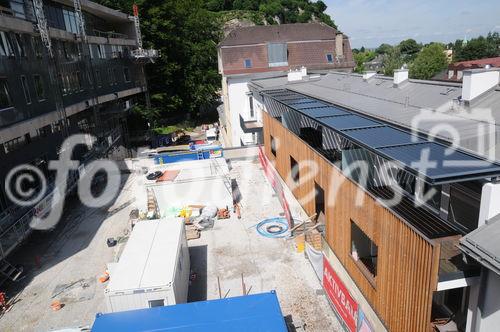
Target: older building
(61, 75)
(267, 51)
(399, 171)
(455, 70)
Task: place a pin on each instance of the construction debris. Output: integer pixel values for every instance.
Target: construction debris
(223, 213)
(192, 232)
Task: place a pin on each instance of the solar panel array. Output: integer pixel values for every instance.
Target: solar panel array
(433, 161)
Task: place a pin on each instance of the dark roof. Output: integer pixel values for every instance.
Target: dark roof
(436, 163)
(258, 312)
(482, 244)
(402, 105)
(279, 33)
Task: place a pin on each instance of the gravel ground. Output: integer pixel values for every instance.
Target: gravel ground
(234, 248)
(76, 250)
(75, 255)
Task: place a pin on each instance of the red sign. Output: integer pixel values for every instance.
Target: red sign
(135, 9)
(273, 179)
(338, 294)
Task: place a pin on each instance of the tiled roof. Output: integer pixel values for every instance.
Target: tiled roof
(279, 33)
(480, 63)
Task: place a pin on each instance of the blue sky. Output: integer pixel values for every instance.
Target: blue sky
(372, 22)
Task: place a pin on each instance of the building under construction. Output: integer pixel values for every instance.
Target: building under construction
(66, 67)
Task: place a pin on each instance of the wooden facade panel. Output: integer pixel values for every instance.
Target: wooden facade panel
(401, 293)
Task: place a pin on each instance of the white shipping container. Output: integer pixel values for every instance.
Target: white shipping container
(153, 269)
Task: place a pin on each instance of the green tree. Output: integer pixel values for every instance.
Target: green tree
(409, 49)
(429, 62)
(185, 78)
(277, 11)
(477, 48)
(392, 60)
(383, 49)
(361, 58)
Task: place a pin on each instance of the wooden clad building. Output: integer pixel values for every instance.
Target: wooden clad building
(395, 255)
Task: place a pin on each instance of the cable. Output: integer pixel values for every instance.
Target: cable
(273, 227)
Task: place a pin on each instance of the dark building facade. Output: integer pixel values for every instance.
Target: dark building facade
(86, 86)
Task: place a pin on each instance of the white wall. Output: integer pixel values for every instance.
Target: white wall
(490, 198)
(475, 83)
(490, 304)
(239, 104)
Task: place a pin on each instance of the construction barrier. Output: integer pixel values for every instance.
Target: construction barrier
(274, 179)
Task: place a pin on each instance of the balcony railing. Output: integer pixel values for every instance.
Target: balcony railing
(109, 34)
(143, 55)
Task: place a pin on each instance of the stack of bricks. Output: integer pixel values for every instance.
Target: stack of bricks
(314, 239)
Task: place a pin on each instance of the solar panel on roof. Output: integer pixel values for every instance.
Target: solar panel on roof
(437, 162)
(377, 137)
(350, 121)
(323, 112)
(289, 98)
(309, 105)
(394, 144)
(300, 101)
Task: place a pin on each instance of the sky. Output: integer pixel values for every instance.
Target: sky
(370, 23)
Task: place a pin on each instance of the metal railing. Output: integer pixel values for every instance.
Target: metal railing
(142, 53)
(109, 34)
(19, 228)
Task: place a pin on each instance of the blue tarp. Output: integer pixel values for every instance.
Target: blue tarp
(259, 312)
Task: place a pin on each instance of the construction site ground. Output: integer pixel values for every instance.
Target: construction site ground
(65, 264)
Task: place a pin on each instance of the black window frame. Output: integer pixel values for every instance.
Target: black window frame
(98, 78)
(362, 261)
(8, 46)
(26, 90)
(319, 200)
(20, 45)
(294, 170)
(126, 74)
(273, 145)
(79, 80)
(40, 96)
(250, 102)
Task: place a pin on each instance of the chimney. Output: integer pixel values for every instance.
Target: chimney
(339, 44)
(400, 76)
(303, 71)
(368, 74)
(478, 81)
(297, 74)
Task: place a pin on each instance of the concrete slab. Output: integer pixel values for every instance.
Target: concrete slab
(229, 252)
(233, 251)
(71, 259)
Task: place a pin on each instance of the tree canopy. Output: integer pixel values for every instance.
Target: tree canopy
(276, 11)
(185, 78)
(409, 49)
(477, 48)
(430, 61)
